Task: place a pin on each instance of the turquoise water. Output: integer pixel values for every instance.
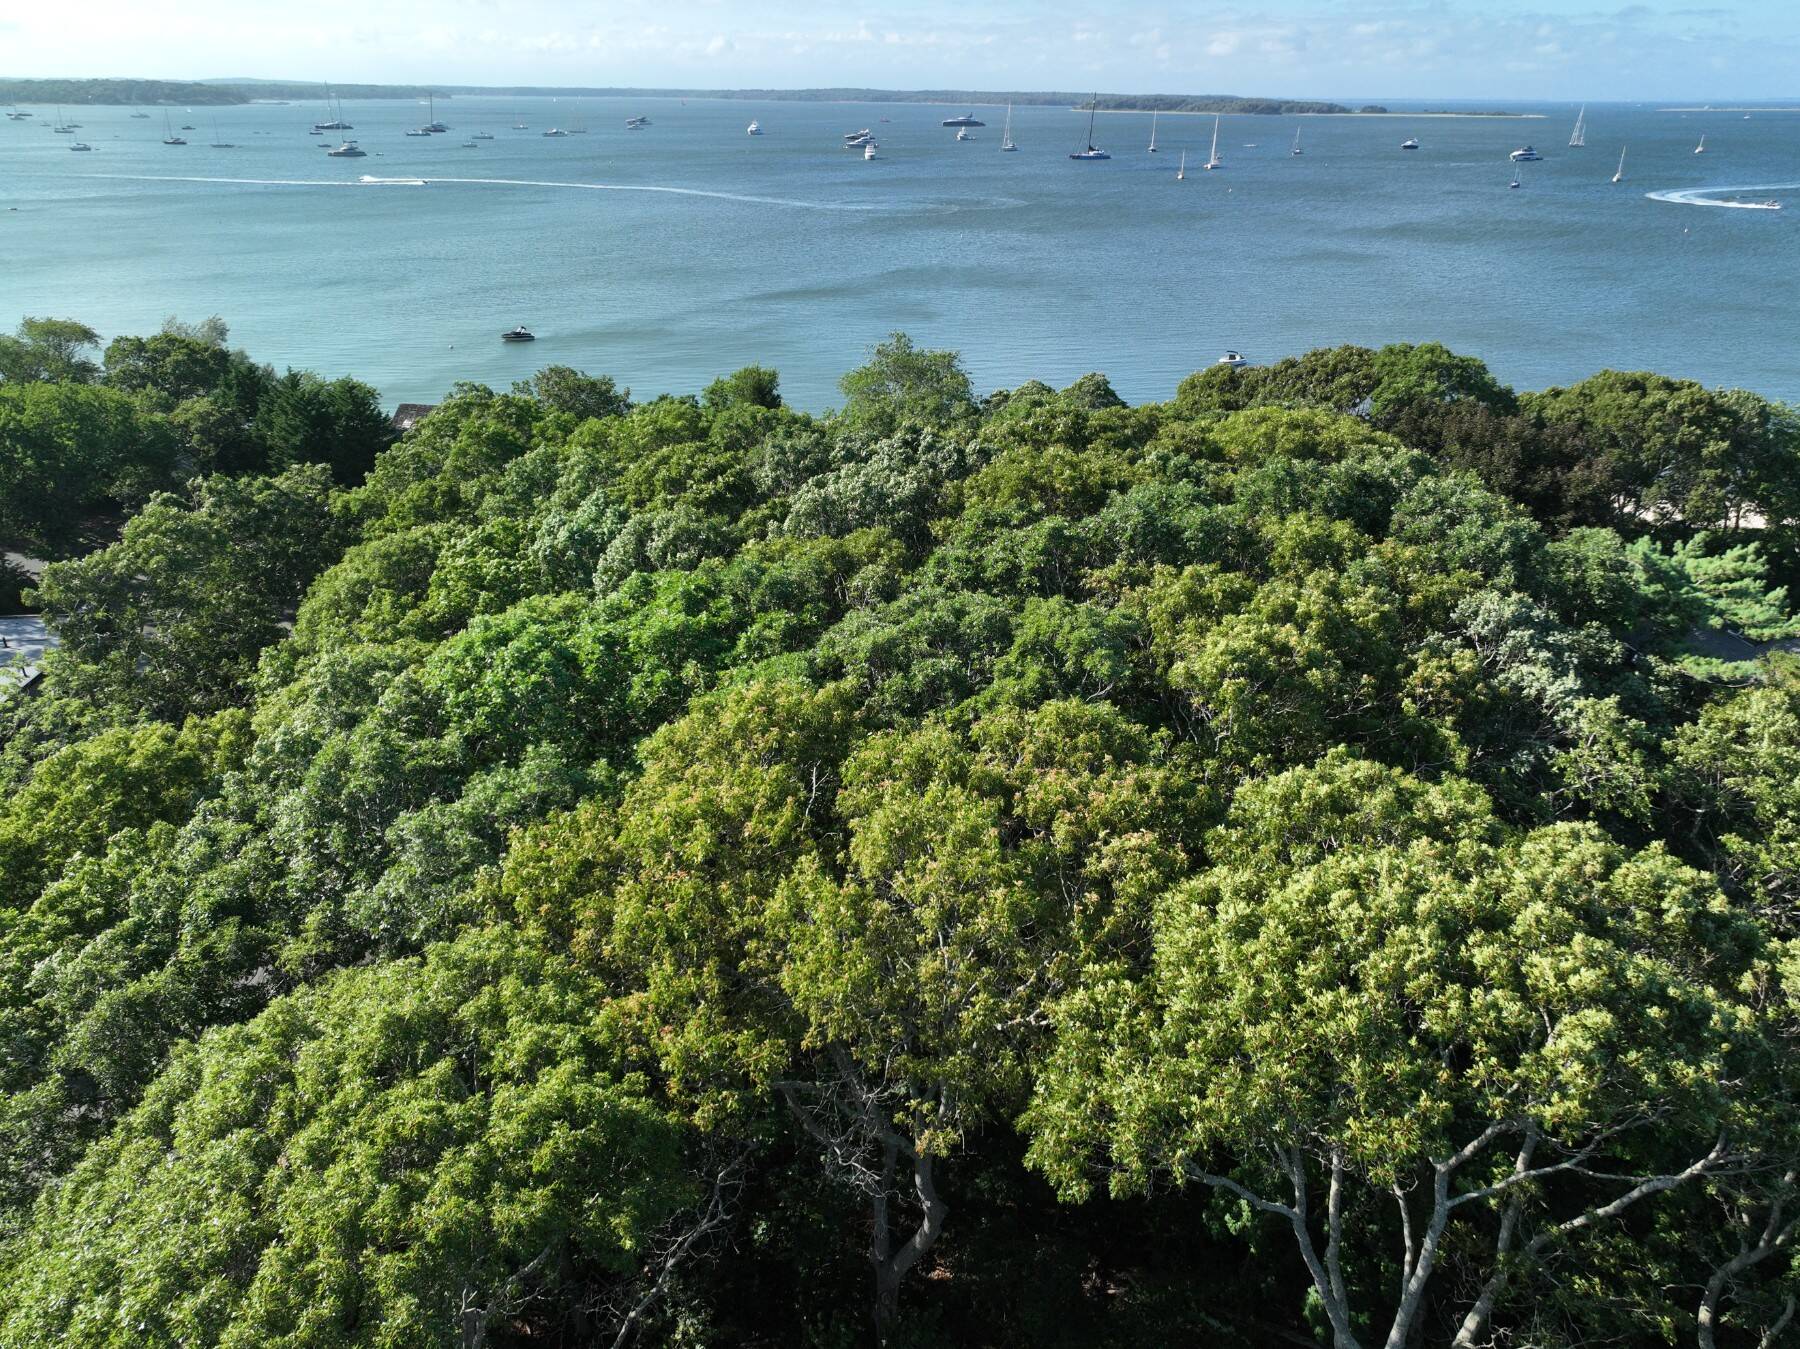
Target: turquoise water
(667, 256)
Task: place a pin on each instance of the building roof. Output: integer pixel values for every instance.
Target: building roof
(409, 415)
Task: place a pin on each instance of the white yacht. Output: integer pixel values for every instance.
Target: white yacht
(1092, 152)
(1152, 149)
(1524, 155)
(966, 120)
(554, 132)
(868, 150)
(1006, 140)
(636, 123)
(754, 129)
(1410, 143)
(348, 150)
(1213, 161)
(1235, 361)
(518, 334)
(1700, 149)
(1619, 173)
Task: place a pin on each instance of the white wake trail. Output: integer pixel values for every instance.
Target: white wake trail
(1707, 196)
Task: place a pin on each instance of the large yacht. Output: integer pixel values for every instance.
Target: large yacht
(1524, 155)
(967, 119)
(348, 150)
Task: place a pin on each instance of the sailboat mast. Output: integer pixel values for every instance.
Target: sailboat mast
(1093, 107)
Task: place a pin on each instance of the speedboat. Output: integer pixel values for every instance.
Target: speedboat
(967, 119)
(482, 136)
(1409, 144)
(1235, 361)
(964, 135)
(636, 123)
(1524, 155)
(754, 129)
(869, 150)
(418, 131)
(519, 334)
(81, 145)
(348, 150)
(554, 131)
(857, 137)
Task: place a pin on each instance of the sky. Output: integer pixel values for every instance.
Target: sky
(1341, 49)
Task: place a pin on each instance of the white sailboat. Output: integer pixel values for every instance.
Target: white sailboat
(1152, 133)
(1578, 137)
(1296, 150)
(1181, 170)
(1213, 161)
(1093, 152)
(1620, 173)
(1006, 140)
(1700, 149)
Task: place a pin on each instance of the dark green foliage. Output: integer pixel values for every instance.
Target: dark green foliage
(943, 873)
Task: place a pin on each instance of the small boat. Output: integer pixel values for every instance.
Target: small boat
(868, 151)
(348, 150)
(1296, 150)
(963, 135)
(1515, 178)
(1092, 152)
(554, 132)
(1410, 143)
(419, 131)
(1181, 170)
(81, 145)
(859, 140)
(1152, 149)
(482, 136)
(519, 334)
(1619, 173)
(16, 116)
(1524, 155)
(967, 119)
(187, 126)
(1235, 361)
(470, 145)
(169, 136)
(1578, 137)
(1700, 149)
(636, 123)
(140, 117)
(335, 124)
(1213, 161)
(754, 129)
(221, 143)
(434, 126)
(1006, 140)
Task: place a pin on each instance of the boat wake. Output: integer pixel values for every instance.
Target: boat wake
(1711, 196)
(369, 180)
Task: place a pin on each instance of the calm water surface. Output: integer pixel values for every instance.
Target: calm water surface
(670, 255)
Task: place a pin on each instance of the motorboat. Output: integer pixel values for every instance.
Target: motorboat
(348, 150)
(967, 119)
(1234, 360)
(482, 136)
(519, 334)
(81, 145)
(470, 145)
(1524, 155)
(169, 136)
(963, 135)
(554, 132)
(335, 124)
(857, 142)
(1409, 144)
(754, 129)
(868, 150)
(636, 123)
(857, 137)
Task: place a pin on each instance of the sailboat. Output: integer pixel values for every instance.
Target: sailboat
(1214, 162)
(1578, 137)
(1006, 140)
(1152, 133)
(1296, 150)
(1515, 178)
(1620, 174)
(1700, 149)
(219, 142)
(1181, 171)
(169, 136)
(1093, 151)
(577, 123)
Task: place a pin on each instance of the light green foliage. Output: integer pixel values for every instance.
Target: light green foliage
(689, 872)
(48, 351)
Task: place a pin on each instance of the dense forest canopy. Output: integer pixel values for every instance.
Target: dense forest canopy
(1313, 861)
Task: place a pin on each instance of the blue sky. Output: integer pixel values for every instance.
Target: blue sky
(1500, 49)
